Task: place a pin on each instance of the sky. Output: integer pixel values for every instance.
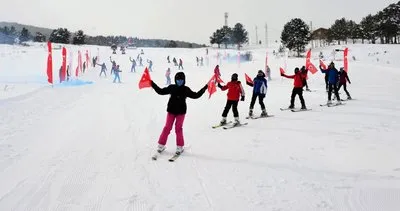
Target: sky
(186, 20)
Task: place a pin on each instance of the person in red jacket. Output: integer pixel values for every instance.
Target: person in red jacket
(235, 92)
(343, 79)
(298, 87)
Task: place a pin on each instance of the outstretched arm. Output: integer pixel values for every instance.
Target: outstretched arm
(163, 91)
(195, 95)
(250, 84)
(287, 76)
(348, 79)
(223, 88)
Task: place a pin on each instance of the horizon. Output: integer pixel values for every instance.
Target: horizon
(144, 24)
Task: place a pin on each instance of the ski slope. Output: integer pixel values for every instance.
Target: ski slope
(89, 147)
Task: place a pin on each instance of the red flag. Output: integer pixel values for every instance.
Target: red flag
(282, 70)
(312, 68)
(80, 61)
(248, 79)
(79, 64)
(321, 63)
(346, 62)
(64, 64)
(87, 59)
(49, 64)
(218, 79)
(212, 88)
(145, 81)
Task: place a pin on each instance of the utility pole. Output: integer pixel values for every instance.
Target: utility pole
(266, 35)
(226, 19)
(256, 35)
(311, 30)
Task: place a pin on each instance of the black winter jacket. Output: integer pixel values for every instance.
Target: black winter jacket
(177, 100)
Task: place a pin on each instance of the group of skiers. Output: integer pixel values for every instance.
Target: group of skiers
(178, 92)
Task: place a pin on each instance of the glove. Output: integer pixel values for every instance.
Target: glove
(242, 98)
(219, 85)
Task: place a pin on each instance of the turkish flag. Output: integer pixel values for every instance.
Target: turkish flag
(212, 88)
(64, 64)
(49, 64)
(311, 67)
(282, 70)
(248, 79)
(145, 81)
(321, 63)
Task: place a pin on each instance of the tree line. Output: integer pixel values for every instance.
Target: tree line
(64, 36)
(383, 26)
(228, 36)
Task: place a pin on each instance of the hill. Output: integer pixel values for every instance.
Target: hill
(108, 40)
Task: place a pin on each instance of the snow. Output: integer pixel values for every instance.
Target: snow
(87, 145)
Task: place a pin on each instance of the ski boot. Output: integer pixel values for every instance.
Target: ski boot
(303, 107)
(179, 150)
(264, 113)
(223, 121)
(251, 113)
(349, 97)
(160, 148)
(329, 102)
(237, 122)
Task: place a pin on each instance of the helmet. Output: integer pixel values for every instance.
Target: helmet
(260, 73)
(234, 77)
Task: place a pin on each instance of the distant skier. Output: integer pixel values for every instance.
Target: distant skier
(133, 67)
(259, 91)
(103, 69)
(168, 76)
(174, 61)
(113, 66)
(150, 65)
(333, 79)
(180, 64)
(176, 109)
(235, 92)
(68, 73)
(268, 73)
(297, 89)
(168, 59)
(343, 79)
(84, 67)
(116, 74)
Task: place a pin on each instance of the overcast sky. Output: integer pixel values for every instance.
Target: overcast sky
(182, 19)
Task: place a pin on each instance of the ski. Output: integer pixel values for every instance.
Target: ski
(298, 110)
(173, 158)
(286, 109)
(156, 155)
(333, 105)
(259, 117)
(233, 126)
(220, 125)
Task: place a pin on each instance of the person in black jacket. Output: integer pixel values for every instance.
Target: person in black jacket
(176, 109)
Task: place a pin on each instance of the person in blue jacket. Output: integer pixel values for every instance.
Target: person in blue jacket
(259, 91)
(333, 78)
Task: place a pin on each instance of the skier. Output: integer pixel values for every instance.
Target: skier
(297, 89)
(259, 91)
(333, 79)
(217, 72)
(133, 68)
(304, 71)
(174, 61)
(176, 109)
(168, 59)
(84, 67)
(103, 69)
(343, 78)
(68, 73)
(150, 65)
(180, 64)
(235, 92)
(113, 66)
(116, 74)
(167, 75)
(268, 71)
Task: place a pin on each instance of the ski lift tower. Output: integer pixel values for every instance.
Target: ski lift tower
(226, 19)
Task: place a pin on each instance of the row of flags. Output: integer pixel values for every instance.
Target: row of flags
(64, 63)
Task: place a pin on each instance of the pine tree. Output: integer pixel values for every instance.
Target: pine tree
(340, 30)
(296, 35)
(25, 35)
(60, 35)
(79, 38)
(39, 37)
(239, 35)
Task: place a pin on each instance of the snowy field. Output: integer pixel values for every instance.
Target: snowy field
(89, 147)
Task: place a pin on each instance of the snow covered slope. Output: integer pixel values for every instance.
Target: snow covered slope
(89, 147)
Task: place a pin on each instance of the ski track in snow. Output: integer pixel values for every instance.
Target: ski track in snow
(89, 147)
